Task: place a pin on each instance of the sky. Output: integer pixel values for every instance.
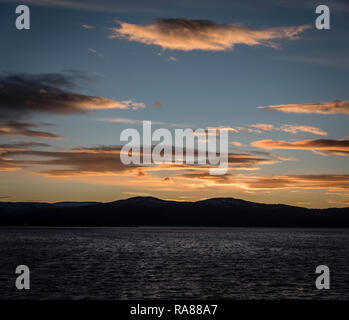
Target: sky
(86, 70)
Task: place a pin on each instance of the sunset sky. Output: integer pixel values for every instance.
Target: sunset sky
(86, 70)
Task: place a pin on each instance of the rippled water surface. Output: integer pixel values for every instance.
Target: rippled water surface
(173, 263)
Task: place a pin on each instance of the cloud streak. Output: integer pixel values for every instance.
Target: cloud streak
(290, 128)
(88, 27)
(187, 35)
(320, 181)
(332, 107)
(322, 146)
(105, 160)
(25, 129)
(310, 181)
(6, 150)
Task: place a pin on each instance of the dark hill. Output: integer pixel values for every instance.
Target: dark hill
(149, 211)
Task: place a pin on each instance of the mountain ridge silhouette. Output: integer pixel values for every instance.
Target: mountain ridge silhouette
(151, 211)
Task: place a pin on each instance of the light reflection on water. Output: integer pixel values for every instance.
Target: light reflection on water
(173, 263)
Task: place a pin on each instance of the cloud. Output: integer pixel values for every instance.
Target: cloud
(227, 128)
(130, 121)
(339, 202)
(24, 129)
(95, 52)
(320, 181)
(290, 128)
(294, 129)
(88, 27)
(186, 35)
(322, 146)
(315, 181)
(332, 107)
(130, 104)
(22, 94)
(105, 160)
(263, 126)
(94, 163)
(158, 104)
(172, 59)
(273, 156)
(21, 145)
(204, 176)
(140, 122)
(6, 162)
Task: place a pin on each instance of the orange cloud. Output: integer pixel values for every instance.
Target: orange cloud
(333, 107)
(158, 104)
(24, 129)
(263, 126)
(296, 128)
(7, 163)
(320, 181)
(187, 35)
(290, 128)
(337, 147)
(105, 160)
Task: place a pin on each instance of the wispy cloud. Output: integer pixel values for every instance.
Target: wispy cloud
(140, 122)
(95, 52)
(248, 182)
(25, 129)
(320, 181)
(158, 104)
(6, 162)
(333, 107)
(187, 34)
(129, 121)
(105, 160)
(294, 129)
(236, 144)
(263, 126)
(322, 146)
(88, 27)
(289, 128)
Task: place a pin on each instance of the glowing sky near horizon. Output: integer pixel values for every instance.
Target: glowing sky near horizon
(86, 70)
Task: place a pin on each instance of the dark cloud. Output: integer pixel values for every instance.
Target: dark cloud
(23, 144)
(79, 161)
(6, 150)
(221, 179)
(106, 160)
(23, 94)
(24, 129)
